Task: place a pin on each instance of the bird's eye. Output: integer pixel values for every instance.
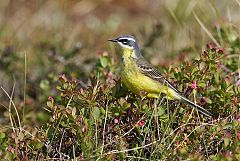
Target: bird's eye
(124, 41)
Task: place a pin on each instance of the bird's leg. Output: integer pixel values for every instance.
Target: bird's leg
(161, 101)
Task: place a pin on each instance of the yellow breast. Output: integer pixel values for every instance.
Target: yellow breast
(136, 81)
(139, 83)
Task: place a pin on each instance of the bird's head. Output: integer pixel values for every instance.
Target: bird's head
(128, 44)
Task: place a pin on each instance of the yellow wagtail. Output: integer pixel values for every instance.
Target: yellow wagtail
(140, 77)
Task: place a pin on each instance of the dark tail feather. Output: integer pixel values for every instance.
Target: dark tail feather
(199, 108)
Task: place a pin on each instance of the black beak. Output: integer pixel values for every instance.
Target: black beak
(113, 40)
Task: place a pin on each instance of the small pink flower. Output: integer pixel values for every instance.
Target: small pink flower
(116, 120)
(81, 91)
(63, 78)
(238, 135)
(74, 80)
(228, 134)
(141, 123)
(238, 80)
(228, 153)
(84, 128)
(110, 79)
(220, 50)
(238, 117)
(50, 98)
(212, 46)
(194, 85)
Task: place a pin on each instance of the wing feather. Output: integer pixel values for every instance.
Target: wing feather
(151, 72)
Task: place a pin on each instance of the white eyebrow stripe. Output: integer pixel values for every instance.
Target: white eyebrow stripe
(129, 38)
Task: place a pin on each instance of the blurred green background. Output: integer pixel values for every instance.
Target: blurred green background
(41, 39)
(51, 49)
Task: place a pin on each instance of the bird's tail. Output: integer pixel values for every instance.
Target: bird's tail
(199, 108)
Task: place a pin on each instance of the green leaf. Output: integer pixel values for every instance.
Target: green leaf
(226, 141)
(201, 84)
(2, 136)
(49, 104)
(38, 145)
(96, 112)
(64, 124)
(44, 84)
(161, 111)
(104, 61)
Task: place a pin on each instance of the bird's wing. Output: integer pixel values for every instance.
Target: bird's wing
(151, 72)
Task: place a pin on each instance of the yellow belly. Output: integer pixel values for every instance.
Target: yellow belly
(139, 83)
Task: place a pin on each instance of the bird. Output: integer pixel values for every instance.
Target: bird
(140, 77)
